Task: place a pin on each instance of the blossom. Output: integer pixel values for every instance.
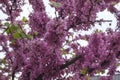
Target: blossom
(56, 32)
(38, 21)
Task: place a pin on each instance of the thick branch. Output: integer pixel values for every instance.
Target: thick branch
(70, 62)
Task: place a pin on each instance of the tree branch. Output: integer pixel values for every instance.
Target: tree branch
(70, 62)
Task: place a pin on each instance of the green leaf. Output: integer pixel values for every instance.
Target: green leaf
(35, 33)
(4, 61)
(6, 24)
(7, 31)
(1, 68)
(98, 31)
(19, 35)
(63, 51)
(24, 19)
(11, 28)
(23, 35)
(55, 4)
(16, 35)
(30, 36)
(118, 64)
(14, 28)
(84, 71)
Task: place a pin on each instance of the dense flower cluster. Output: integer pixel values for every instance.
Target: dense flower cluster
(56, 32)
(41, 53)
(38, 19)
(41, 60)
(38, 24)
(37, 5)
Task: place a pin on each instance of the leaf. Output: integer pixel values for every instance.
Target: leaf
(24, 19)
(63, 51)
(16, 35)
(7, 31)
(1, 68)
(11, 28)
(6, 24)
(30, 36)
(84, 71)
(55, 4)
(14, 28)
(23, 35)
(35, 33)
(98, 31)
(19, 34)
(4, 61)
(118, 64)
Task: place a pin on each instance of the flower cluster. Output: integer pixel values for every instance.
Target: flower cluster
(41, 60)
(56, 32)
(40, 54)
(38, 21)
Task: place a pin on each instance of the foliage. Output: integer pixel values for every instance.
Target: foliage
(41, 53)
